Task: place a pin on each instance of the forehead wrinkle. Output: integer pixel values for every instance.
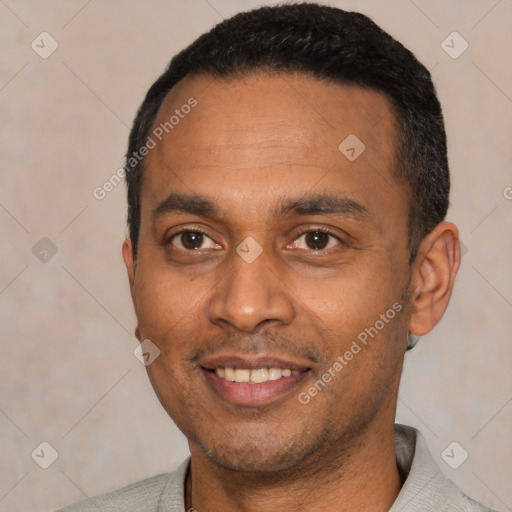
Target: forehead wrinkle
(285, 164)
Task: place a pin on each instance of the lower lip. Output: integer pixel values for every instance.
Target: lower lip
(242, 393)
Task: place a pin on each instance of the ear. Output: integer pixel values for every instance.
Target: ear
(130, 264)
(433, 277)
(130, 267)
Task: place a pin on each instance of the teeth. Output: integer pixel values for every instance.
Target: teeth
(256, 376)
(242, 375)
(260, 375)
(274, 373)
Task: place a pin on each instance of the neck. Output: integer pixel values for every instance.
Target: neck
(364, 477)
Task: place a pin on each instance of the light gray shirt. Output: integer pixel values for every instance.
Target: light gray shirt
(425, 488)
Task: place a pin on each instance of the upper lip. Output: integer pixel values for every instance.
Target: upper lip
(252, 362)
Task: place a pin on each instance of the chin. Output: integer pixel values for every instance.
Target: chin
(261, 455)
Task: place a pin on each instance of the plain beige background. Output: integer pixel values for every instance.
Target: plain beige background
(68, 375)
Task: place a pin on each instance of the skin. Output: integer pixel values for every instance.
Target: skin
(249, 145)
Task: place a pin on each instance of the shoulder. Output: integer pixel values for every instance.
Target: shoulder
(426, 489)
(448, 497)
(469, 505)
(143, 495)
(149, 495)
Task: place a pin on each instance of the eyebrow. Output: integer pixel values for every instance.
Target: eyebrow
(180, 203)
(321, 204)
(306, 205)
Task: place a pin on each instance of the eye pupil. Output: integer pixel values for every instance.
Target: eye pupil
(192, 239)
(317, 240)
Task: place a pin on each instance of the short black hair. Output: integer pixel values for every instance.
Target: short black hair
(326, 43)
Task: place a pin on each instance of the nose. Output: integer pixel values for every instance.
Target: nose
(250, 296)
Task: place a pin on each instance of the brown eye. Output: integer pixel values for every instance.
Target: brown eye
(192, 240)
(315, 241)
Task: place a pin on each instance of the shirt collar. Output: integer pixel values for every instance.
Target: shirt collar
(424, 489)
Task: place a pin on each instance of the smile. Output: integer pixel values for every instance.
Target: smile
(254, 376)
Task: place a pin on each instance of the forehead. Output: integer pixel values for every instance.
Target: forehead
(261, 135)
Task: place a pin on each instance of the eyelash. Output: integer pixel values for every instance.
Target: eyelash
(301, 233)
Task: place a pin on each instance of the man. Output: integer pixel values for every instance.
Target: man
(287, 188)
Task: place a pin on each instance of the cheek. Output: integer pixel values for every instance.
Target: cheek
(347, 295)
(361, 304)
(165, 300)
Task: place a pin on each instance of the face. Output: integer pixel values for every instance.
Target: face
(268, 254)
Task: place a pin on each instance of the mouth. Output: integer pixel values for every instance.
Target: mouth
(254, 376)
(253, 381)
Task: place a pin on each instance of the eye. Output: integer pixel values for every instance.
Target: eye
(192, 240)
(317, 240)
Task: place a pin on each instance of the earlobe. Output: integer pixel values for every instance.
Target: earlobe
(433, 277)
